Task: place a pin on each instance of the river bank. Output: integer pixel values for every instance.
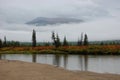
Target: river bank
(82, 50)
(18, 70)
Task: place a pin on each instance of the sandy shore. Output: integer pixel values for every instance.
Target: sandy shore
(18, 70)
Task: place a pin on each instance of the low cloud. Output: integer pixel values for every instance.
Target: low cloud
(19, 11)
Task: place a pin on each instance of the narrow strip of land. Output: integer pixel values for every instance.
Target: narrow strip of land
(18, 70)
(82, 50)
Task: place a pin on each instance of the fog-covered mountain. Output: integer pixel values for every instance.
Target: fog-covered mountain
(42, 21)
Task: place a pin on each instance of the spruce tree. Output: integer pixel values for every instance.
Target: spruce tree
(85, 40)
(0, 43)
(53, 38)
(80, 41)
(34, 38)
(65, 43)
(58, 41)
(5, 42)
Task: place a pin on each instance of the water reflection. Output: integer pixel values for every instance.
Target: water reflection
(21, 57)
(33, 57)
(45, 59)
(81, 62)
(101, 64)
(65, 61)
(0, 56)
(57, 60)
(86, 62)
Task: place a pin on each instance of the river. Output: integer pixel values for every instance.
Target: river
(100, 64)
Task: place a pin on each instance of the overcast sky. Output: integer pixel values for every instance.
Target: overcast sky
(101, 19)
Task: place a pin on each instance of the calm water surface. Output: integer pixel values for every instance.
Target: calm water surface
(100, 64)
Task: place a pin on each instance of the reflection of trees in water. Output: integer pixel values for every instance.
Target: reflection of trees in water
(0, 56)
(65, 61)
(81, 62)
(33, 57)
(86, 62)
(56, 60)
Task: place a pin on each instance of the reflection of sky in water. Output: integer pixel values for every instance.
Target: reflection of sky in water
(104, 64)
(27, 58)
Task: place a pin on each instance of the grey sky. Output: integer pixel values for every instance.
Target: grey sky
(102, 19)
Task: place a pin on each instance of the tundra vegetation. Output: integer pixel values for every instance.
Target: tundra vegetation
(58, 46)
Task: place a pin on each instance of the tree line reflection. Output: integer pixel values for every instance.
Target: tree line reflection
(63, 60)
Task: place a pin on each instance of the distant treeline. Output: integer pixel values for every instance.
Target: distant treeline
(57, 42)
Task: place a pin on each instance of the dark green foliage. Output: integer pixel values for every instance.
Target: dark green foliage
(101, 43)
(47, 44)
(5, 42)
(80, 42)
(85, 40)
(0, 43)
(56, 40)
(53, 38)
(65, 42)
(34, 38)
(13, 43)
